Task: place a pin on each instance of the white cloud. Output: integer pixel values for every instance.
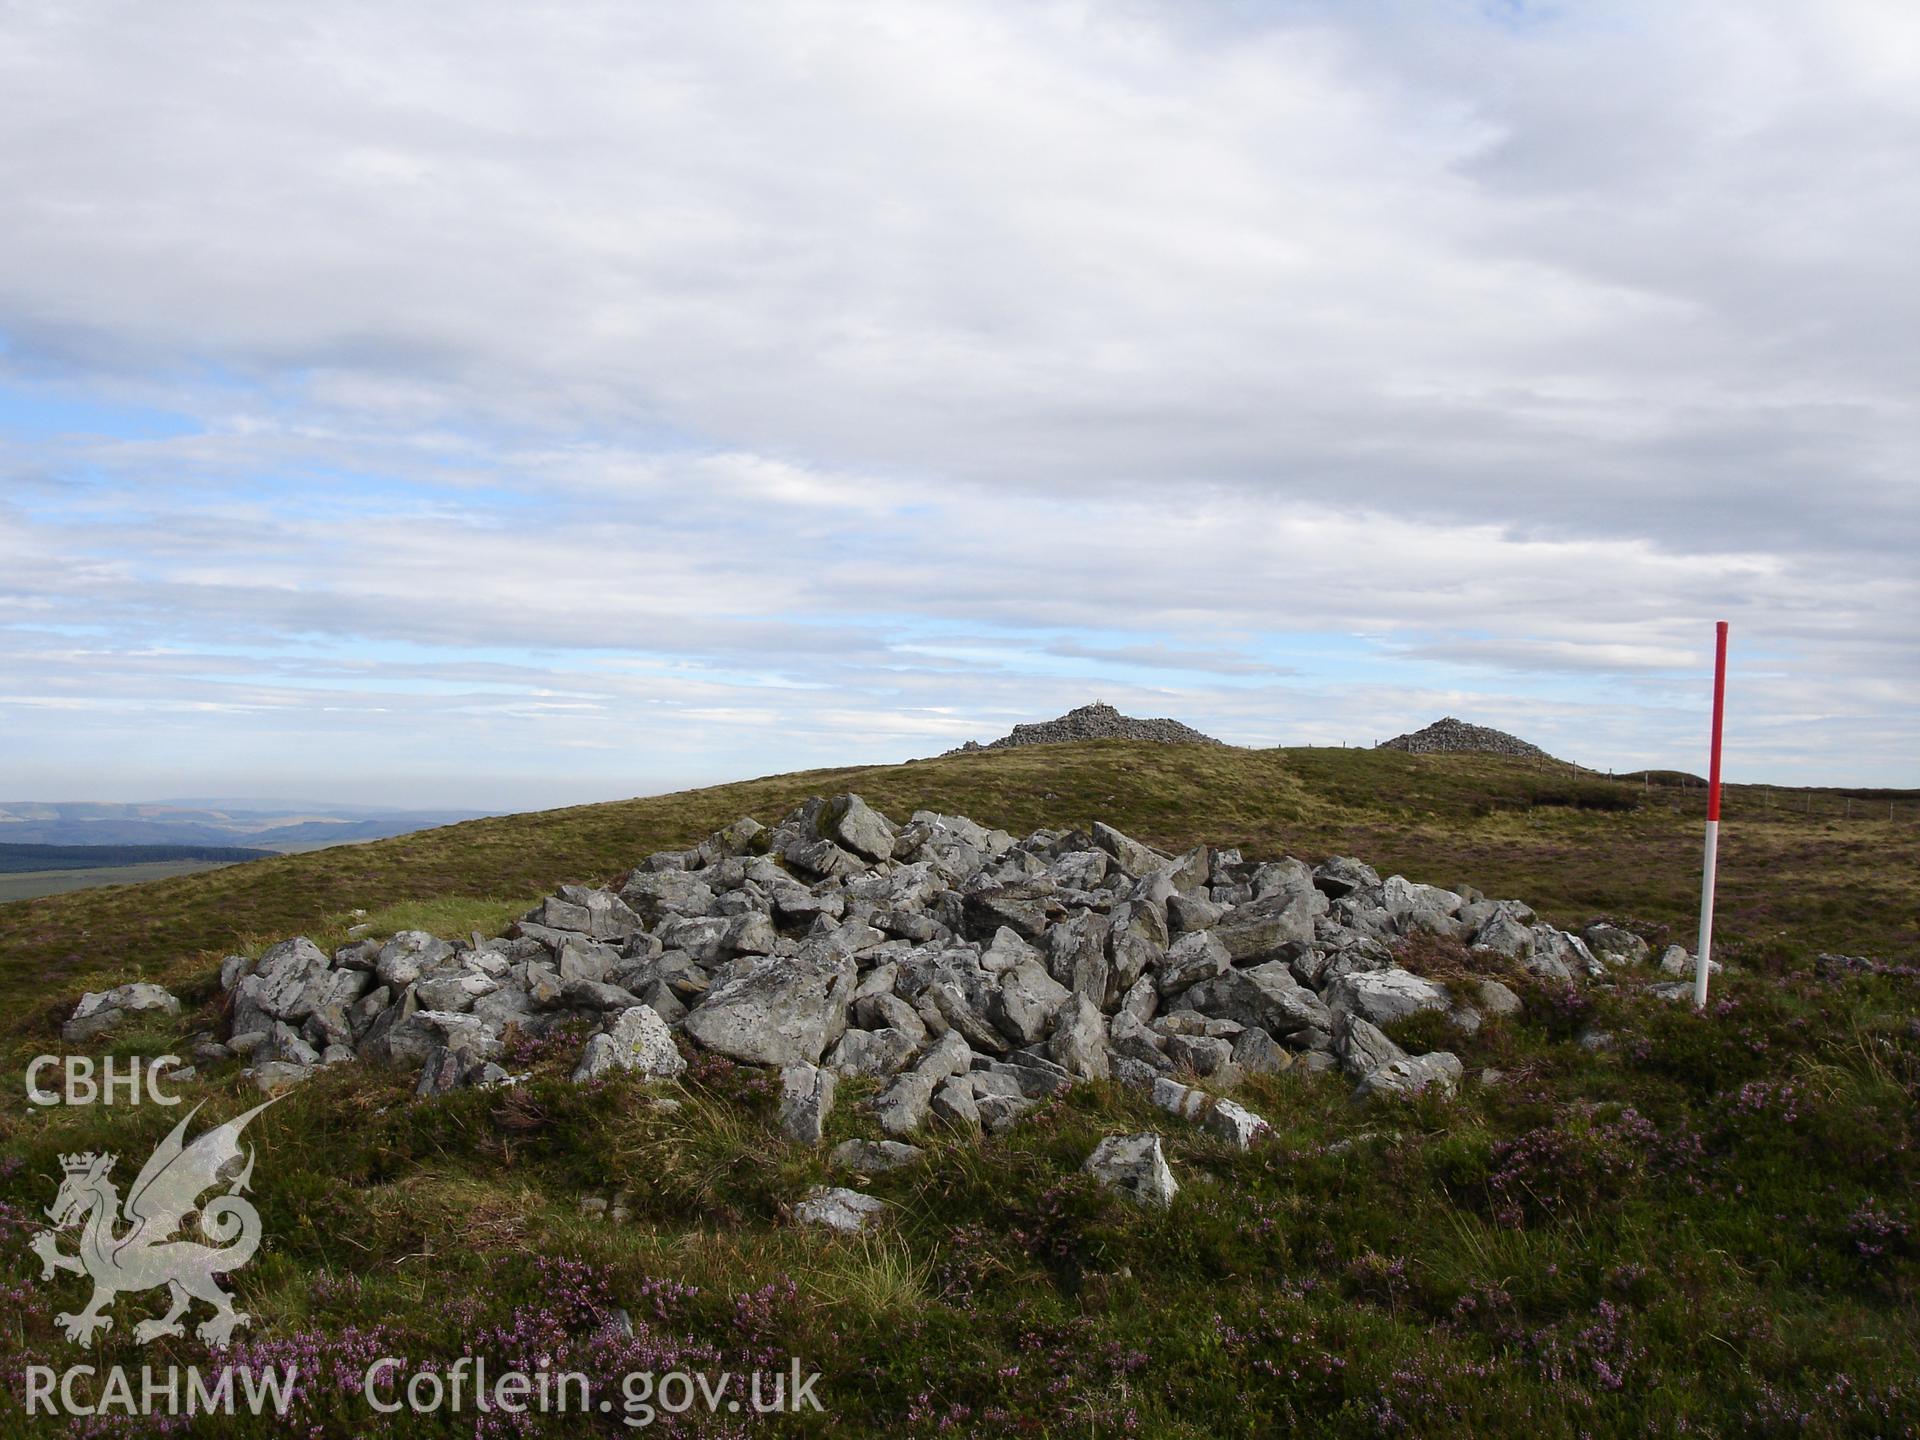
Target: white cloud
(871, 374)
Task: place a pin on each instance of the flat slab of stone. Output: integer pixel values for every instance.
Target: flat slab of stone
(102, 1010)
(836, 1208)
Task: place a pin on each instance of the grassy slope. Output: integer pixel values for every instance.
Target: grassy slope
(1788, 882)
(28, 884)
(1703, 1223)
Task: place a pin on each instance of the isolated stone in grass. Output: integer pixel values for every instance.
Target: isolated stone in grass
(806, 1100)
(102, 1010)
(838, 1208)
(1677, 960)
(874, 1156)
(1136, 1165)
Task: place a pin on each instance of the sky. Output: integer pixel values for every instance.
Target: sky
(506, 406)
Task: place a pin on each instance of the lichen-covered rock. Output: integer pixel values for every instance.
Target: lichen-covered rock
(1228, 1119)
(1079, 1041)
(1361, 1047)
(1439, 1071)
(782, 1012)
(855, 825)
(405, 956)
(806, 1100)
(1267, 926)
(1136, 1165)
(102, 1010)
(837, 1208)
(1384, 996)
(874, 1156)
(1191, 959)
(1615, 945)
(637, 1041)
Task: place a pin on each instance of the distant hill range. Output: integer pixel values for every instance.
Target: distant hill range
(1098, 721)
(252, 825)
(29, 859)
(1448, 734)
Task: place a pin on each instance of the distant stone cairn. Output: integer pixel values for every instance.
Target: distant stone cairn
(1448, 734)
(1098, 721)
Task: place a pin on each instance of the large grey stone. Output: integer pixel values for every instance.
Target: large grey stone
(1341, 876)
(654, 894)
(1384, 996)
(953, 1102)
(1079, 1041)
(1266, 927)
(783, 1011)
(1504, 934)
(637, 1041)
(1439, 1072)
(1402, 898)
(1136, 945)
(1190, 959)
(405, 956)
(1136, 1165)
(1616, 945)
(837, 1208)
(1077, 955)
(288, 984)
(1022, 906)
(854, 825)
(102, 1010)
(1496, 999)
(1265, 995)
(1202, 1054)
(806, 1100)
(1136, 859)
(1026, 1001)
(886, 1051)
(1255, 1052)
(874, 1156)
(1361, 1046)
(1228, 1119)
(902, 1107)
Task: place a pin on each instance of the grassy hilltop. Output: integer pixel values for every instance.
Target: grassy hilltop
(1702, 1227)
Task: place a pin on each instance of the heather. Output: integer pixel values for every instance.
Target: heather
(1652, 1221)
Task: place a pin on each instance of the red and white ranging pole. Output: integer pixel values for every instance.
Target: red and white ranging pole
(1713, 819)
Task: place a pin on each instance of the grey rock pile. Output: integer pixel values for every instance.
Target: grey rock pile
(970, 974)
(1448, 734)
(1098, 721)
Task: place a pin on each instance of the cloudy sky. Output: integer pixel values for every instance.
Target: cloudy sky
(508, 405)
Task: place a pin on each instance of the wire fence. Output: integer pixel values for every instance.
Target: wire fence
(1781, 802)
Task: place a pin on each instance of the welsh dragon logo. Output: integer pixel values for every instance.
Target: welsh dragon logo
(150, 1252)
